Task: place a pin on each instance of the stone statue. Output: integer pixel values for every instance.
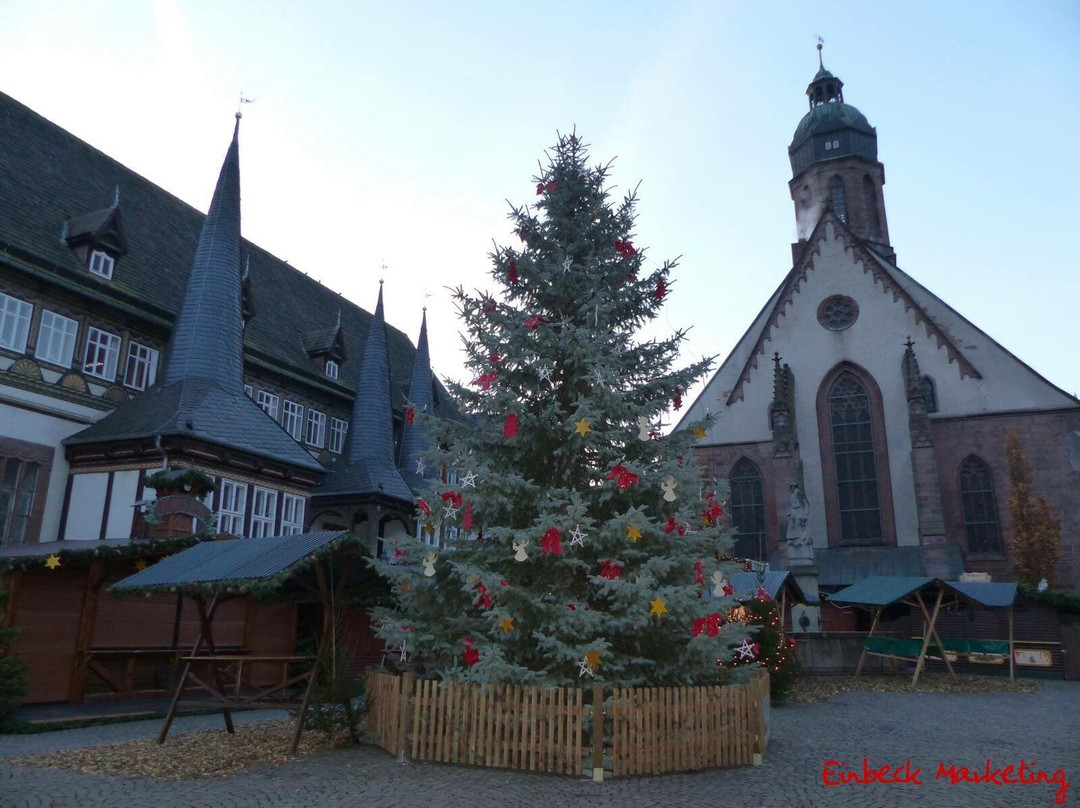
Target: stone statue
(800, 544)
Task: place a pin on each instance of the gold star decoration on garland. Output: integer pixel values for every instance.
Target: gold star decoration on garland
(658, 607)
(53, 561)
(582, 427)
(633, 532)
(506, 624)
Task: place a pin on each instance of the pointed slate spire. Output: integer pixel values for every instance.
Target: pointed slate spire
(371, 435)
(421, 398)
(208, 340)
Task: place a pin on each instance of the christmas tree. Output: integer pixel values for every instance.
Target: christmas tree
(592, 536)
(770, 648)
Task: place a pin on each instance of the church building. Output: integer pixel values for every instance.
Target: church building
(861, 420)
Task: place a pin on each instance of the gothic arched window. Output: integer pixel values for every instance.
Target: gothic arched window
(748, 510)
(929, 394)
(851, 423)
(980, 510)
(873, 220)
(839, 198)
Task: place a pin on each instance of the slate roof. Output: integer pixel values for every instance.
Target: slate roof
(414, 436)
(842, 566)
(367, 465)
(48, 176)
(203, 410)
(231, 560)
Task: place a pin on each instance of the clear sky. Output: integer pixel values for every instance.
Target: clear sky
(396, 133)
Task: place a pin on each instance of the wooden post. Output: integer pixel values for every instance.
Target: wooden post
(405, 711)
(862, 657)
(171, 714)
(926, 634)
(205, 617)
(598, 732)
(1012, 654)
(84, 640)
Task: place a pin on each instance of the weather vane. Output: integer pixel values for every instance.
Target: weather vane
(243, 100)
(820, 46)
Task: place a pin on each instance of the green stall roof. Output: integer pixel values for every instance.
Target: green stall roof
(880, 590)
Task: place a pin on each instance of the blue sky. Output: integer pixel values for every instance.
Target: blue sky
(396, 133)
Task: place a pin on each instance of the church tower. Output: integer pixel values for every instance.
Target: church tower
(834, 166)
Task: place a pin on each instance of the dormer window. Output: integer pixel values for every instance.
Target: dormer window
(102, 264)
(331, 368)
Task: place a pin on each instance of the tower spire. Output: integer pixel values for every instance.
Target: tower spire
(371, 435)
(820, 47)
(421, 397)
(208, 342)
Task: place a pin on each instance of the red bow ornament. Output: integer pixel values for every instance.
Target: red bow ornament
(423, 506)
(535, 322)
(472, 654)
(467, 517)
(622, 476)
(708, 625)
(610, 570)
(511, 273)
(485, 380)
(510, 428)
(453, 498)
(482, 596)
(410, 416)
(661, 290)
(550, 187)
(699, 572)
(678, 397)
(551, 543)
(625, 249)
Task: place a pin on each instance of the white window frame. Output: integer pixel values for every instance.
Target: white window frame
(292, 514)
(292, 419)
(339, 428)
(109, 347)
(232, 507)
(268, 402)
(315, 433)
(144, 357)
(15, 316)
(249, 391)
(263, 512)
(331, 368)
(56, 340)
(102, 264)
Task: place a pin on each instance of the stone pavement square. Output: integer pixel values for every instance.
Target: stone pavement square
(1041, 728)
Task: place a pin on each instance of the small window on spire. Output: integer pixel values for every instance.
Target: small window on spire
(331, 368)
(102, 264)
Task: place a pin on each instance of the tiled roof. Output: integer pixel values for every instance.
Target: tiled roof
(368, 466)
(200, 409)
(48, 177)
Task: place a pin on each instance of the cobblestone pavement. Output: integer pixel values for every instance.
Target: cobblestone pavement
(1042, 728)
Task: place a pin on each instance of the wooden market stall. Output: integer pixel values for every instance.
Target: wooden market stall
(879, 593)
(323, 567)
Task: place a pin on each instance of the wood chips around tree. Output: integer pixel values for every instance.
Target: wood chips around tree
(819, 688)
(209, 753)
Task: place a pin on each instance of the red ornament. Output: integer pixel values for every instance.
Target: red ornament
(485, 380)
(708, 625)
(490, 305)
(678, 397)
(551, 543)
(761, 594)
(671, 526)
(757, 648)
(571, 607)
(399, 553)
(467, 517)
(661, 290)
(452, 497)
(699, 572)
(511, 273)
(504, 582)
(472, 654)
(482, 596)
(729, 590)
(510, 427)
(622, 476)
(410, 415)
(535, 322)
(494, 358)
(550, 187)
(625, 249)
(610, 570)
(423, 506)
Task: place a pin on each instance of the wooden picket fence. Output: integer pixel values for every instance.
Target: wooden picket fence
(547, 729)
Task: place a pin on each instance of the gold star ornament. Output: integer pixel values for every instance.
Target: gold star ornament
(140, 565)
(633, 532)
(658, 607)
(700, 433)
(592, 659)
(506, 624)
(582, 427)
(53, 561)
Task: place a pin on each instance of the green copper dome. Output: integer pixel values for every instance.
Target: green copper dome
(831, 129)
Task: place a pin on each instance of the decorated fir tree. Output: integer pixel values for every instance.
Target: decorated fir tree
(769, 648)
(591, 536)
